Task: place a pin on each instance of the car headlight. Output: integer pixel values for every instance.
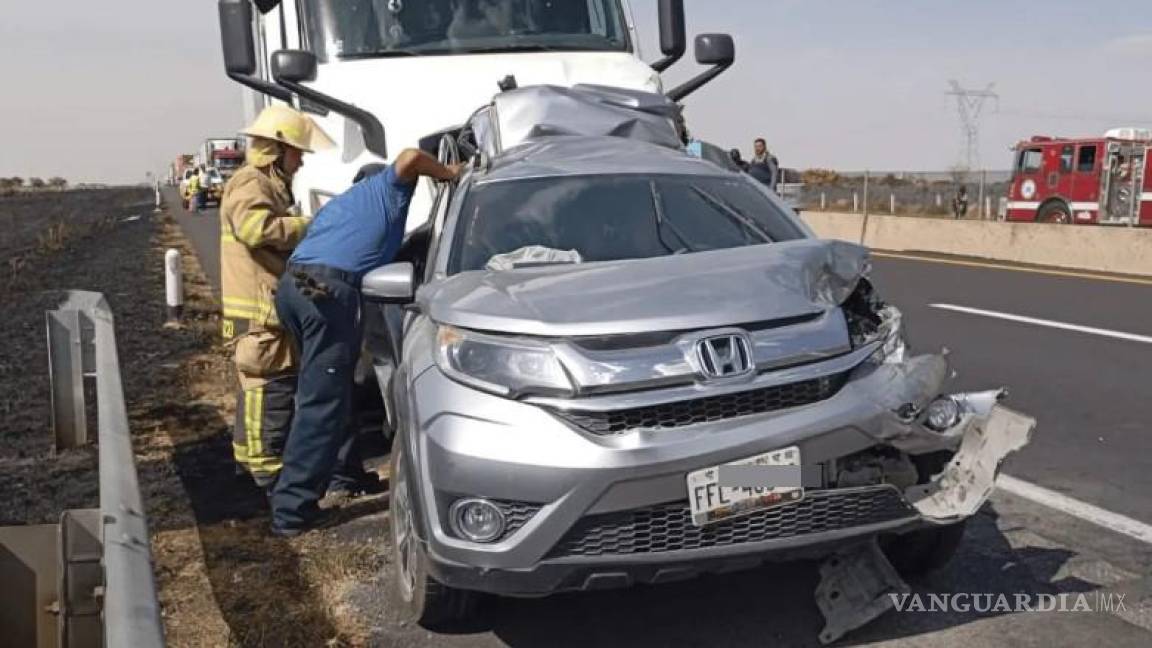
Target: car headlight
(942, 413)
(505, 366)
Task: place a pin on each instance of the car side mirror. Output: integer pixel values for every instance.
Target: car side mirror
(394, 283)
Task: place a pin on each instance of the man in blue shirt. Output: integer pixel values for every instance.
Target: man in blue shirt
(318, 301)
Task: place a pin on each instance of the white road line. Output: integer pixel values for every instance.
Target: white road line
(1074, 507)
(1120, 335)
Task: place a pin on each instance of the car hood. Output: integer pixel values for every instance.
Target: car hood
(681, 292)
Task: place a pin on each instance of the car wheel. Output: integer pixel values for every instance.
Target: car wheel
(924, 551)
(422, 599)
(1054, 212)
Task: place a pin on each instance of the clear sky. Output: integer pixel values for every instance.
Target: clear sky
(106, 91)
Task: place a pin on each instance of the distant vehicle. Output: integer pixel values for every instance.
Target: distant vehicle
(176, 171)
(223, 153)
(1098, 180)
(211, 181)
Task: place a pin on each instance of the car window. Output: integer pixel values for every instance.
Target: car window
(610, 218)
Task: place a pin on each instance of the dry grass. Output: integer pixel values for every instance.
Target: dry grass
(223, 579)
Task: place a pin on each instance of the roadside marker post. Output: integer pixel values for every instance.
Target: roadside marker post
(156, 188)
(173, 285)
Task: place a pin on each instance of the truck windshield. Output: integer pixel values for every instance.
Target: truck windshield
(350, 29)
(612, 218)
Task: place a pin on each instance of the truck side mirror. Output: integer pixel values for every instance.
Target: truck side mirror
(717, 50)
(238, 41)
(394, 283)
(293, 68)
(673, 37)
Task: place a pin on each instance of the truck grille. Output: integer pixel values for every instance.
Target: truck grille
(668, 527)
(705, 410)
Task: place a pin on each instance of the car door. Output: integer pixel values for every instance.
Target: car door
(386, 324)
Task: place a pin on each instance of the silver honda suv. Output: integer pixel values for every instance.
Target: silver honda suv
(607, 362)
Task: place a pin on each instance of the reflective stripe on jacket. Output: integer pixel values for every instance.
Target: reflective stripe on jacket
(257, 235)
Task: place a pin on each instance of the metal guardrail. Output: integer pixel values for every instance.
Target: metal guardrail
(87, 581)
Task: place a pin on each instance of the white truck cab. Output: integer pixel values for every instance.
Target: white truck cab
(381, 75)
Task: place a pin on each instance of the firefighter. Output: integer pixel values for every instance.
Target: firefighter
(318, 300)
(259, 230)
(193, 191)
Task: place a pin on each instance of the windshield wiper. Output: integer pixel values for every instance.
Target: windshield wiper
(733, 215)
(661, 221)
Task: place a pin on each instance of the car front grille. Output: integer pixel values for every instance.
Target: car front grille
(705, 410)
(668, 527)
(516, 515)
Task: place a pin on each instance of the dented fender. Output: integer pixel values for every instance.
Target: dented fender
(982, 438)
(970, 477)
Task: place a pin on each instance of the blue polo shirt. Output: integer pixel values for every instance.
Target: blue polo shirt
(362, 228)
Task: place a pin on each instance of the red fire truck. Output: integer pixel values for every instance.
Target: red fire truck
(1101, 180)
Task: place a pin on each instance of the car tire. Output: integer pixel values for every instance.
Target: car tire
(1054, 212)
(421, 598)
(924, 551)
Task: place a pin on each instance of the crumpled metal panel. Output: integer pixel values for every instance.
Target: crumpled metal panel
(678, 292)
(534, 112)
(572, 156)
(856, 586)
(969, 479)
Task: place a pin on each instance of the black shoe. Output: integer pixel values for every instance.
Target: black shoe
(366, 484)
(322, 520)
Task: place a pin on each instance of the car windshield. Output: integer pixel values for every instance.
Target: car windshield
(611, 218)
(349, 29)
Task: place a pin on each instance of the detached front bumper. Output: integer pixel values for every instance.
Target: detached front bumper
(594, 512)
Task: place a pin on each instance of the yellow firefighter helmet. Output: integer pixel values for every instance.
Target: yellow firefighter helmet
(287, 126)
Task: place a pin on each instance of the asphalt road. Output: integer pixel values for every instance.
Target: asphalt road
(1088, 392)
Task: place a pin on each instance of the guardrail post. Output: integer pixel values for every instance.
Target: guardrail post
(173, 285)
(66, 377)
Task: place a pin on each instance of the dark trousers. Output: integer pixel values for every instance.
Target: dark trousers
(328, 331)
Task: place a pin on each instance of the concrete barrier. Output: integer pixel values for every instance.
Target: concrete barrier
(1121, 250)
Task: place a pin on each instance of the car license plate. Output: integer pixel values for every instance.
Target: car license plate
(710, 502)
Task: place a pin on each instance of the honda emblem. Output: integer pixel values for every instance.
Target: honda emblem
(725, 356)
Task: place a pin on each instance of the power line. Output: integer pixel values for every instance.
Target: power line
(970, 105)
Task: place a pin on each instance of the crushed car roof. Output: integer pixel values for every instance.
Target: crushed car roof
(583, 155)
